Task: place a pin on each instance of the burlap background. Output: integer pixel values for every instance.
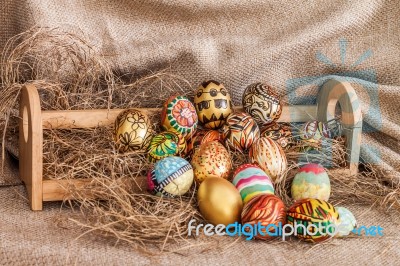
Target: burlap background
(294, 47)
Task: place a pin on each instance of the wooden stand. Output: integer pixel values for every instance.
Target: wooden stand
(34, 121)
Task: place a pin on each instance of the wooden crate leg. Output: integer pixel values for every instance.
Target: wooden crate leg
(336, 92)
(31, 145)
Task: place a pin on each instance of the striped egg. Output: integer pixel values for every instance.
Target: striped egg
(251, 181)
(266, 210)
(171, 176)
(269, 156)
(317, 219)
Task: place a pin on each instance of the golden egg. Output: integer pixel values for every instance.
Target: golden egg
(213, 104)
(219, 201)
(132, 131)
(211, 159)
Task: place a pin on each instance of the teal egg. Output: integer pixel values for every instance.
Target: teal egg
(347, 221)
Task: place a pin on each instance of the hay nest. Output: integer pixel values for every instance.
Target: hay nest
(70, 74)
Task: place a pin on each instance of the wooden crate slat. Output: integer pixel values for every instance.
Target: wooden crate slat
(69, 119)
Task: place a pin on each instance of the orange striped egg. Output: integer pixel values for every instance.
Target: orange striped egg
(269, 156)
(266, 210)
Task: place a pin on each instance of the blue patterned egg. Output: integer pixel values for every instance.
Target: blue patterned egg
(171, 176)
(347, 221)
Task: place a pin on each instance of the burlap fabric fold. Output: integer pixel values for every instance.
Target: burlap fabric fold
(293, 46)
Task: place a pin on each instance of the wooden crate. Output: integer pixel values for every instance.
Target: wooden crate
(34, 121)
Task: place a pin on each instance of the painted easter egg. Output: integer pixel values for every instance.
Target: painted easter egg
(211, 160)
(219, 201)
(281, 133)
(240, 131)
(311, 182)
(132, 131)
(213, 104)
(178, 114)
(262, 103)
(266, 210)
(171, 176)
(200, 137)
(269, 156)
(251, 181)
(347, 221)
(165, 144)
(314, 131)
(319, 218)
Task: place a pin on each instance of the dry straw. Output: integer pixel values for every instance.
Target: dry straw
(70, 74)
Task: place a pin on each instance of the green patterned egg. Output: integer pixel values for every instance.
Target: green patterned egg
(165, 144)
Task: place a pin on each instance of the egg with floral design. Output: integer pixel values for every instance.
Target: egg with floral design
(211, 160)
(178, 114)
(240, 131)
(213, 104)
(132, 131)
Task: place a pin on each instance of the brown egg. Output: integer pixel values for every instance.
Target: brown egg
(211, 159)
(269, 156)
(219, 201)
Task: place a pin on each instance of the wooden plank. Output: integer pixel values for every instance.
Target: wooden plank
(102, 117)
(31, 145)
(335, 92)
(58, 190)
